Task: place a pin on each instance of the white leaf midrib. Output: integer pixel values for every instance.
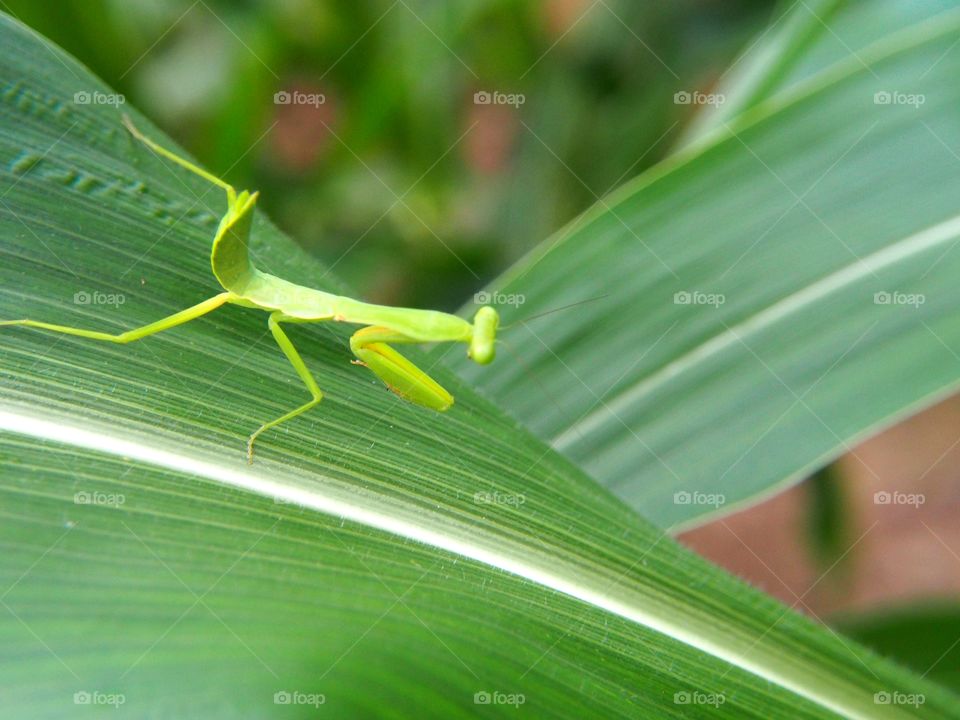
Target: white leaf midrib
(732, 335)
(548, 571)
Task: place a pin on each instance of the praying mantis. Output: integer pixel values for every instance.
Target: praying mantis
(245, 285)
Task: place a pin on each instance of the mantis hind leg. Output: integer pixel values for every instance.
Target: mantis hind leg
(184, 316)
(294, 357)
(182, 161)
(398, 374)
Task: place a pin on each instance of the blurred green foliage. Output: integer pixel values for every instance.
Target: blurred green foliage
(828, 525)
(411, 190)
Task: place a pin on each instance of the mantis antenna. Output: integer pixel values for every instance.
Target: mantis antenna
(554, 310)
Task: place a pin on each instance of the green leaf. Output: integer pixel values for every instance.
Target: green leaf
(387, 561)
(771, 295)
(769, 62)
(921, 637)
(803, 40)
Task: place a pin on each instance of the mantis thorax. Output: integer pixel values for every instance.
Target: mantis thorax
(230, 257)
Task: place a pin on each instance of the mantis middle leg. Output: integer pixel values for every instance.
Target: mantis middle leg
(294, 357)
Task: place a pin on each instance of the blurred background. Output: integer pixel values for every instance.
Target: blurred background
(421, 147)
(382, 163)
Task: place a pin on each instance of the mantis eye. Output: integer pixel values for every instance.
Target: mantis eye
(483, 343)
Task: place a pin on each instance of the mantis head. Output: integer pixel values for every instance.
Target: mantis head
(482, 343)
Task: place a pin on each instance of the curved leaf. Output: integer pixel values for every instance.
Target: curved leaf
(768, 63)
(803, 40)
(772, 294)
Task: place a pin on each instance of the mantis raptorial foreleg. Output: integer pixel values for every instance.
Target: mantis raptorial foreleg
(294, 357)
(400, 375)
(184, 316)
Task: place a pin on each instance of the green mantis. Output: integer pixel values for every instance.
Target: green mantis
(245, 285)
